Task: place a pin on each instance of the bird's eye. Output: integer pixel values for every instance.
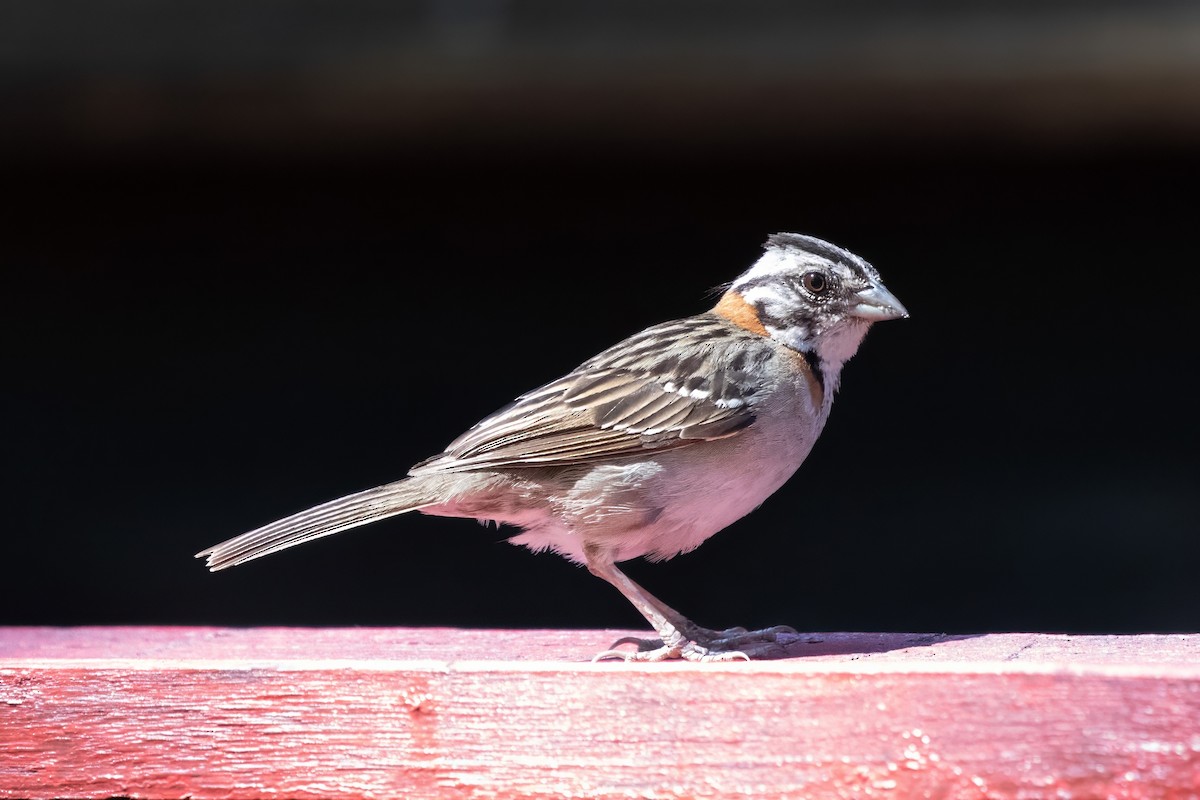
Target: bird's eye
(815, 282)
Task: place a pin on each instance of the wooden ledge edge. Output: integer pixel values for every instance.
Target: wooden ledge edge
(432, 650)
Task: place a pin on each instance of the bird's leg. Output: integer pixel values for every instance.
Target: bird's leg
(679, 637)
(668, 623)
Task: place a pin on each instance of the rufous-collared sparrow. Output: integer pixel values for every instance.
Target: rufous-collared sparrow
(653, 445)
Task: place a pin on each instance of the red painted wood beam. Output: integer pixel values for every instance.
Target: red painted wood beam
(223, 713)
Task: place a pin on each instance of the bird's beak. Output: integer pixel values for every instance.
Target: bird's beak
(876, 304)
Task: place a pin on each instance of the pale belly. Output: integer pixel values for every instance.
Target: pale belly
(670, 503)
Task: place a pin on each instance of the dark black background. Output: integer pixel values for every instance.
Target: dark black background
(208, 328)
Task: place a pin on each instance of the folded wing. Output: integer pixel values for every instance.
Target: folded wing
(674, 395)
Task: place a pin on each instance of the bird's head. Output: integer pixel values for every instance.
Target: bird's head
(812, 296)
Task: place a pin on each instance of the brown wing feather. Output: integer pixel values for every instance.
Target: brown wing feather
(609, 407)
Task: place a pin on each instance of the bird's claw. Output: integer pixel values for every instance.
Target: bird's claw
(702, 644)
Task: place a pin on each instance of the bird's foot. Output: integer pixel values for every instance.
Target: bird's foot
(703, 644)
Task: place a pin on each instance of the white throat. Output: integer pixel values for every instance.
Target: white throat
(837, 346)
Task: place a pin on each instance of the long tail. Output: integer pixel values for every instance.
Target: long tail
(323, 520)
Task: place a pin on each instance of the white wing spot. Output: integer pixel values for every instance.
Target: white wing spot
(695, 394)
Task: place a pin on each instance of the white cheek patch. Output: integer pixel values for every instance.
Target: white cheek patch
(794, 337)
(773, 299)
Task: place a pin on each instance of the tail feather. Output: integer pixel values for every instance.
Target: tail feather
(326, 519)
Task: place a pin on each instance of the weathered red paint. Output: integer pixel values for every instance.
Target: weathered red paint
(188, 712)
